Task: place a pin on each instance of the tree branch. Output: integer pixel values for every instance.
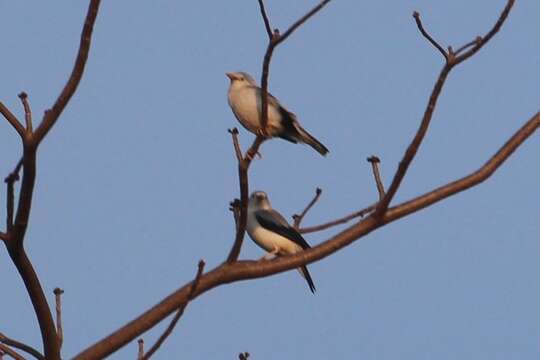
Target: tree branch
(178, 314)
(12, 119)
(345, 219)
(236, 144)
(481, 41)
(51, 115)
(374, 160)
(58, 299)
(6, 350)
(265, 19)
(451, 61)
(10, 181)
(30, 144)
(298, 218)
(21, 346)
(27, 111)
(243, 167)
(140, 353)
(416, 16)
(274, 41)
(242, 270)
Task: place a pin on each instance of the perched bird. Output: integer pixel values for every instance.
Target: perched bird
(271, 231)
(245, 101)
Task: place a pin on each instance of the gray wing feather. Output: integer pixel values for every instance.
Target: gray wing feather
(273, 221)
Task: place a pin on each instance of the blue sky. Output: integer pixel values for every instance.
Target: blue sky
(135, 179)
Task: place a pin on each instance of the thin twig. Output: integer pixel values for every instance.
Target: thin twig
(243, 167)
(10, 181)
(274, 41)
(483, 40)
(374, 160)
(51, 115)
(58, 299)
(236, 143)
(416, 16)
(178, 314)
(10, 352)
(21, 346)
(360, 213)
(468, 45)
(27, 111)
(12, 119)
(140, 353)
(298, 218)
(265, 19)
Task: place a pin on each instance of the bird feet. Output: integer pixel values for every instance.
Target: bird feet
(271, 254)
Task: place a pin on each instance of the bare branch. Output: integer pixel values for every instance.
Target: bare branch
(481, 41)
(374, 160)
(237, 150)
(58, 299)
(298, 218)
(243, 167)
(468, 45)
(140, 353)
(10, 181)
(27, 111)
(19, 345)
(178, 314)
(416, 16)
(6, 350)
(428, 114)
(12, 119)
(471, 180)
(53, 113)
(265, 19)
(360, 213)
(17, 233)
(275, 40)
(242, 270)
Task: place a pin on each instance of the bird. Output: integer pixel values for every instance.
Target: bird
(269, 229)
(244, 98)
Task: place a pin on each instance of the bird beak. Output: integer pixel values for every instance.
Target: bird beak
(230, 76)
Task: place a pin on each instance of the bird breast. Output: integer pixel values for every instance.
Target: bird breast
(246, 105)
(270, 240)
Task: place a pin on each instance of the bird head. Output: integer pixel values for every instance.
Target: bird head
(259, 200)
(240, 78)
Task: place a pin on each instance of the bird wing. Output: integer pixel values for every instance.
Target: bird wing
(273, 221)
(288, 119)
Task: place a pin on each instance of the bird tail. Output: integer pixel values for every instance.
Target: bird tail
(305, 274)
(307, 138)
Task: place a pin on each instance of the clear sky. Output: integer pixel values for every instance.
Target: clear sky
(135, 179)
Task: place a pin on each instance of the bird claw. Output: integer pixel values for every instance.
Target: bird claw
(270, 255)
